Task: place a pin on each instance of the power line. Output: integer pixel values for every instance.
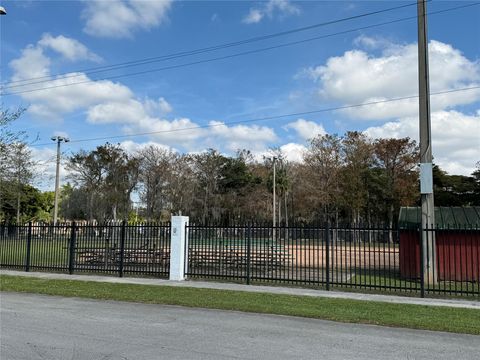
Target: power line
(265, 118)
(226, 56)
(212, 48)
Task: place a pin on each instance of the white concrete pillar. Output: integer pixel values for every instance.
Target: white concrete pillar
(178, 247)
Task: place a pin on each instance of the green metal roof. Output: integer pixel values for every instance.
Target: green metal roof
(445, 217)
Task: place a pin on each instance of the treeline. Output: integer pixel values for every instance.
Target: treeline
(349, 178)
(342, 179)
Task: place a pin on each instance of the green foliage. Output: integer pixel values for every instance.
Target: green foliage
(456, 190)
(34, 205)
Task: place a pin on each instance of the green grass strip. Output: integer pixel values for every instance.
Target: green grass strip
(355, 311)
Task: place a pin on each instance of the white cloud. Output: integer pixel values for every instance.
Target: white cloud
(161, 106)
(293, 152)
(254, 16)
(306, 129)
(240, 136)
(107, 103)
(132, 147)
(455, 138)
(31, 64)
(121, 18)
(134, 117)
(71, 49)
(368, 42)
(61, 96)
(357, 77)
(270, 9)
(124, 112)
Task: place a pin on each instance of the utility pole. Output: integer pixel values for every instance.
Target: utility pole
(58, 139)
(274, 197)
(426, 176)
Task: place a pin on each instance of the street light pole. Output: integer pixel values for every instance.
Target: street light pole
(58, 140)
(274, 195)
(426, 173)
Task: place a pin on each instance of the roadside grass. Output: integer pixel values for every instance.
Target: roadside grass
(343, 310)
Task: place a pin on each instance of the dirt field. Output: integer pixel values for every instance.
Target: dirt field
(345, 256)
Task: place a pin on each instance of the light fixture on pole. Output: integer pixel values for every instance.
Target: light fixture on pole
(58, 139)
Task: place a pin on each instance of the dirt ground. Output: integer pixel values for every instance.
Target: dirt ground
(345, 256)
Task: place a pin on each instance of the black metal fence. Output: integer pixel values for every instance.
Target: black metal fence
(115, 248)
(369, 258)
(373, 258)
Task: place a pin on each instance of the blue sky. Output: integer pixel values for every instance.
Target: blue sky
(60, 40)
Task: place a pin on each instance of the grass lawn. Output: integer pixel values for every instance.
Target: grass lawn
(43, 253)
(375, 282)
(355, 311)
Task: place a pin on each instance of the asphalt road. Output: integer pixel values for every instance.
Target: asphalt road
(42, 327)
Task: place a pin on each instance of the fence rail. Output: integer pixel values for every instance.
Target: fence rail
(366, 258)
(373, 258)
(122, 249)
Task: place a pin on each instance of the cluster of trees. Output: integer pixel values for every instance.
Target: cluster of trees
(19, 200)
(348, 178)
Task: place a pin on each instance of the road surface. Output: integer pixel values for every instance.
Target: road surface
(43, 327)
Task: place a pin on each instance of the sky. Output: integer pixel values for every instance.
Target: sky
(109, 70)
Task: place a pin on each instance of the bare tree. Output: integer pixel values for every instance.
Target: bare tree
(156, 166)
(323, 161)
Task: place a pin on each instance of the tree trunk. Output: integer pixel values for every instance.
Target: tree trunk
(18, 208)
(390, 224)
(90, 205)
(279, 210)
(205, 208)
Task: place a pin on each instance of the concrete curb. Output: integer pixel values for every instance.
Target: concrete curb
(465, 304)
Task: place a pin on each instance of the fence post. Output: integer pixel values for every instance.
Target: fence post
(178, 248)
(327, 244)
(72, 245)
(29, 247)
(122, 247)
(249, 247)
(422, 271)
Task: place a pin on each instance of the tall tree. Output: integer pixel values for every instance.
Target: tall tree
(208, 168)
(9, 143)
(155, 175)
(397, 160)
(108, 175)
(357, 154)
(323, 161)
